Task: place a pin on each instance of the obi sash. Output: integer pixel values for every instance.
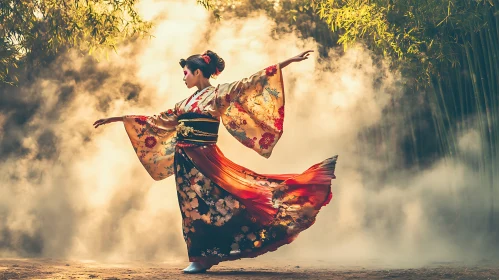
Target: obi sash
(197, 129)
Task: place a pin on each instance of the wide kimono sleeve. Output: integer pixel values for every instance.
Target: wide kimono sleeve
(252, 109)
(154, 138)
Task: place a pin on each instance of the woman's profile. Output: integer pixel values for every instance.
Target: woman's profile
(228, 211)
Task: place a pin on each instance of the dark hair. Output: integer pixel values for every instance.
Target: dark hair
(196, 61)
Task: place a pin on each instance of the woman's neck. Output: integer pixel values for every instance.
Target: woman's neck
(203, 84)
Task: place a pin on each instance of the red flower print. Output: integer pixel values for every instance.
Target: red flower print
(233, 125)
(281, 111)
(151, 142)
(266, 140)
(248, 143)
(270, 71)
(169, 112)
(195, 108)
(141, 120)
(278, 123)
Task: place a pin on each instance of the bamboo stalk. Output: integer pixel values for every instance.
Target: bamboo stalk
(475, 91)
(437, 118)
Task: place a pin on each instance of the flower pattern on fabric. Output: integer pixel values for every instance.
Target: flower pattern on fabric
(141, 120)
(271, 70)
(254, 107)
(266, 140)
(278, 123)
(201, 199)
(154, 140)
(151, 142)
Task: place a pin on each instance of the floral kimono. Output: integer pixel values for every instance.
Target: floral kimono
(228, 211)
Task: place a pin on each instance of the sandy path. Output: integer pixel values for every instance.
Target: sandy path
(245, 269)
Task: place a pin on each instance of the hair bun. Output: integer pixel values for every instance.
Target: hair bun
(217, 64)
(209, 67)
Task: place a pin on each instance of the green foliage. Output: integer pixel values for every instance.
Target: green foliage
(416, 34)
(31, 30)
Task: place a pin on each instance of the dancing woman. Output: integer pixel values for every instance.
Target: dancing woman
(228, 211)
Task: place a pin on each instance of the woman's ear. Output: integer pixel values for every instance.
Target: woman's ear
(197, 72)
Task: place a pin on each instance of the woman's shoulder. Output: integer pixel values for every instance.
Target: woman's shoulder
(179, 103)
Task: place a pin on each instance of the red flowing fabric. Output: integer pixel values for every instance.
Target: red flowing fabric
(312, 186)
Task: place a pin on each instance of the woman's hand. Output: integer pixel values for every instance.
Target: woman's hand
(106, 121)
(304, 55)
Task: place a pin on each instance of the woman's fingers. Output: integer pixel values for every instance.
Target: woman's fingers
(306, 53)
(99, 123)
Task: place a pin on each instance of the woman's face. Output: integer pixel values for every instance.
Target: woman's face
(190, 78)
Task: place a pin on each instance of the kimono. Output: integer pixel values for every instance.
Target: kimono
(228, 211)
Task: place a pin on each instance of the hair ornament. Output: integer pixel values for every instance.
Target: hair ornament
(206, 58)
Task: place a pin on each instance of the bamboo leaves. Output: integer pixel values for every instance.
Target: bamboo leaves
(409, 32)
(32, 30)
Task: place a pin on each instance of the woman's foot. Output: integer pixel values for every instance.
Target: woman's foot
(197, 267)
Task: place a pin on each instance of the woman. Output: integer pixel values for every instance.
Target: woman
(228, 212)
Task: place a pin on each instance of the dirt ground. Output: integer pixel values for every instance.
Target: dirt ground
(244, 269)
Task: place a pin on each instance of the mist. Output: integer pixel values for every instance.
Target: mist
(71, 191)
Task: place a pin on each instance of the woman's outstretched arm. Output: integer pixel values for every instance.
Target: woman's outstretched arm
(107, 120)
(304, 55)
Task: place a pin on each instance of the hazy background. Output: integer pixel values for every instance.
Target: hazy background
(69, 190)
